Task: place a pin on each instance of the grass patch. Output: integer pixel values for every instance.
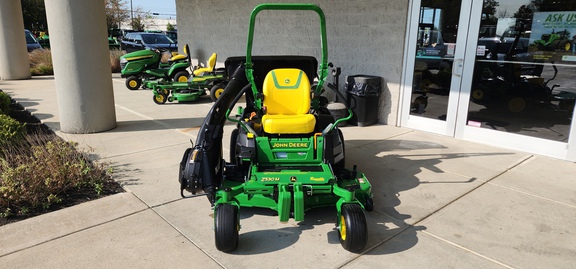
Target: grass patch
(166, 56)
(41, 62)
(115, 60)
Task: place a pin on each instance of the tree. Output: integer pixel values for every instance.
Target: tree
(116, 13)
(34, 14)
(488, 12)
(489, 7)
(170, 27)
(525, 12)
(553, 5)
(502, 13)
(141, 20)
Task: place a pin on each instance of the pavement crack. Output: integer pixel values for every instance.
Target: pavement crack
(468, 250)
(75, 232)
(183, 234)
(533, 195)
(144, 150)
(156, 121)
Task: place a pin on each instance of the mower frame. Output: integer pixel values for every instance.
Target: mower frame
(289, 174)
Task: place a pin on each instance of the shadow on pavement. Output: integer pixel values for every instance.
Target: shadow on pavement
(393, 167)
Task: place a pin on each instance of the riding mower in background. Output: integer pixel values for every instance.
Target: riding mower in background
(147, 65)
(202, 79)
(506, 85)
(286, 152)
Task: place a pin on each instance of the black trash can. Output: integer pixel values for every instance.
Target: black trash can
(362, 93)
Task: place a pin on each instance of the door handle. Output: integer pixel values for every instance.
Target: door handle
(457, 65)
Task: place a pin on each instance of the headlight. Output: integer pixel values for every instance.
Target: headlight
(123, 60)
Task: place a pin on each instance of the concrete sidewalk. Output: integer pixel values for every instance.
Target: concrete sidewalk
(439, 202)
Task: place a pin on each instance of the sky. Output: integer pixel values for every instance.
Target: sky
(165, 8)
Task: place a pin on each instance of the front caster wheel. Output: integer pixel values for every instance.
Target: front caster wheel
(226, 226)
(369, 206)
(161, 98)
(353, 232)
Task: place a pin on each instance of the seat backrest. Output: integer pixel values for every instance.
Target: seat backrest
(286, 92)
(209, 65)
(187, 50)
(211, 62)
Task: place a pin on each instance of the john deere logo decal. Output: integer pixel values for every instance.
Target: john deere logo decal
(290, 145)
(287, 82)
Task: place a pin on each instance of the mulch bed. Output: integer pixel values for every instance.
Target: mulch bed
(71, 198)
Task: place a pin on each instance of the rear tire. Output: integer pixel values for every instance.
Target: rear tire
(517, 104)
(226, 226)
(353, 231)
(181, 76)
(479, 95)
(133, 83)
(216, 91)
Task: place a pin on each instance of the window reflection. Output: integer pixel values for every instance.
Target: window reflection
(436, 44)
(525, 70)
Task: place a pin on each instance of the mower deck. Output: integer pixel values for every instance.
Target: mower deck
(184, 91)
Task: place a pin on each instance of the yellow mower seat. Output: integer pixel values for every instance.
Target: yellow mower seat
(184, 56)
(209, 67)
(287, 102)
(178, 57)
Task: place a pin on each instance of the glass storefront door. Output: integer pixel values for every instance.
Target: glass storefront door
(436, 51)
(508, 78)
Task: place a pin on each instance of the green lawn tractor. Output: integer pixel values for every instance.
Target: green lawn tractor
(555, 41)
(147, 65)
(202, 79)
(286, 152)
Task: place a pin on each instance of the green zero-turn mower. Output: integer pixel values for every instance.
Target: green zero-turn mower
(286, 153)
(147, 65)
(202, 79)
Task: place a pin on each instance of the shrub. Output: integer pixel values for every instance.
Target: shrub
(115, 60)
(165, 57)
(5, 102)
(41, 172)
(11, 131)
(27, 186)
(41, 62)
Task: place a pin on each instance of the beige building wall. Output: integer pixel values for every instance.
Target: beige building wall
(364, 37)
